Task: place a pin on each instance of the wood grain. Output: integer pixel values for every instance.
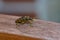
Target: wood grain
(6, 36)
(41, 29)
(8, 30)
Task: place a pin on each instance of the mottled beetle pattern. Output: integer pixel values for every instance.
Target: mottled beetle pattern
(24, 19)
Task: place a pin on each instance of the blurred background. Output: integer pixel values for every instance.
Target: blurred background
(43, 9)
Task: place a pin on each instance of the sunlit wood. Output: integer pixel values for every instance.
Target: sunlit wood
(8, 30)
(42, 29)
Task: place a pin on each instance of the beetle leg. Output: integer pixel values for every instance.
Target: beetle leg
(17, 25)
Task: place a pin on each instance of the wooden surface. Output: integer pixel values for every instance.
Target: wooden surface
(5, 36)
(8, 30)
(44, 30)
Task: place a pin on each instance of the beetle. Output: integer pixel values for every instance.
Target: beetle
(24, 19)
